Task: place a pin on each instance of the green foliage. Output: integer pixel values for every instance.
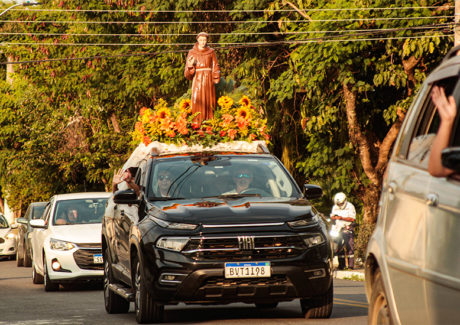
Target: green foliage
(65, 125)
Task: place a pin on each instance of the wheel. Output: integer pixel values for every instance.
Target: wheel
(27, 258)
(267, 305)
(318, 307)
(114, 304)
(147, 311)
(49, 285)
(19, 259)
(379, 312)
(36, 278)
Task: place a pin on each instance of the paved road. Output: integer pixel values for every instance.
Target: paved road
(23, 303)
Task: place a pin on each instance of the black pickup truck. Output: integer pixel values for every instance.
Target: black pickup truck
(215, 227)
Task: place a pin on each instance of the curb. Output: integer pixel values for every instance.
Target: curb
(357, 275)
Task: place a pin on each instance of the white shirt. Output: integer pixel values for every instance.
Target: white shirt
(348, 211)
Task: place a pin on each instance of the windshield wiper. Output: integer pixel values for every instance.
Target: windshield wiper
(155, 198)
(231, 196)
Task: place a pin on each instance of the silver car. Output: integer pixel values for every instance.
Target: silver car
(413, 257)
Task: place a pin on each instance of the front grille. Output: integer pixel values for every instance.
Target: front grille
(223, 282)
(230, 248)
(90, 245)
(85, 260)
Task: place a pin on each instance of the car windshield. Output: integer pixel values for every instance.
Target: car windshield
(208, 176)
(81, 211)
(3, 222)
(38, 211)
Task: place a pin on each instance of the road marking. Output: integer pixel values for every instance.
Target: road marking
(350, 303)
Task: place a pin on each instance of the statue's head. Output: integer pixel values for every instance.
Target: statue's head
(202, 39)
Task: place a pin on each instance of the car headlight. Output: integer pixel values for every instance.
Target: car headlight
(312, 239)
(173, 225)
(10, 236)
(61, 245)
(303, 222)
(172, 243)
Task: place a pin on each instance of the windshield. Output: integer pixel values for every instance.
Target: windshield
(38, 211)
(80, 211)
(3, 222)
(219, 176)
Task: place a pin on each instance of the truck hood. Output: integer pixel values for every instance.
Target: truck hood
(217, 211)
(86, 233)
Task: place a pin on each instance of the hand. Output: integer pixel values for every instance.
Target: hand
(446, 106)
(191, 61)
(118, 177)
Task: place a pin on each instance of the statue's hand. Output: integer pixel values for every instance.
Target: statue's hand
(191, 61)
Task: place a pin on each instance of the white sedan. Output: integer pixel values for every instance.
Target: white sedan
(7, 238)
(66, 242)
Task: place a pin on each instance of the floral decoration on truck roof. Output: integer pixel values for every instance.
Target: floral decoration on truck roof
(232, 121)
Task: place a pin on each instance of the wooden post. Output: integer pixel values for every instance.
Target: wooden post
(457, 21)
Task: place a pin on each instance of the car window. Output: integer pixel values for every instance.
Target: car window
(3, 222)
(79, 211)
(426, 128)
(207, 176)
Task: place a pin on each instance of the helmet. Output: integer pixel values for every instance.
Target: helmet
(340, 199)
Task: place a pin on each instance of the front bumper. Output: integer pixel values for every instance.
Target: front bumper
(75, 265)
(7, 246)
(205, 282)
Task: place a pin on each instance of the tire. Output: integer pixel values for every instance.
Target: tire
(49, 285)
(267, 305)
(318, 307)
(19, 259)
(27, 257)
(379, 312)
(147, 311)
(114, 304)
(36, 278)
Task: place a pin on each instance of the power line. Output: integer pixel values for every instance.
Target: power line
(231, 10)
(234, 44)
(220, 22)
(422, 27)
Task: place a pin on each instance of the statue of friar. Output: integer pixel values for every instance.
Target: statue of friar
(202, 68)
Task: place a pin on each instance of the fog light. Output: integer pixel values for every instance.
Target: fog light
(315, 274)
(55, 265)
(171, 278)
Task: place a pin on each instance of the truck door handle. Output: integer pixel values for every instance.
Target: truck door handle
(432, 199)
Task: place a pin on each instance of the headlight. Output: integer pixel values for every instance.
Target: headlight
(312, 239)
(10, 236)
(172, 243)
(303, 222)
(61, 245)
(173, 225)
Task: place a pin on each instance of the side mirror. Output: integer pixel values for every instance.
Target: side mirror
(38, 223)
(125, 197)
(22, 221)
(313, 191)
(450, 158)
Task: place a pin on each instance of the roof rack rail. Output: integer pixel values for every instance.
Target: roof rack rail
(452, 52)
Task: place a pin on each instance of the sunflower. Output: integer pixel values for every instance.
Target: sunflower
(243, 112)
(245, 101)
(163, 112)
(225, 102)
(185, 105)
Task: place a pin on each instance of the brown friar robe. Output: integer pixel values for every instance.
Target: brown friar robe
(204, 74)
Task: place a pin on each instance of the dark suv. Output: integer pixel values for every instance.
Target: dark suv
(215, 227)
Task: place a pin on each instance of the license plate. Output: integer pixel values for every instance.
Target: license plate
(247, 270)
(97, 259)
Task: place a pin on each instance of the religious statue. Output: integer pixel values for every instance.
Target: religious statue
(202, 68)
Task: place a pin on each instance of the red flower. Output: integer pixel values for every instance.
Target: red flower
(200, 133)
(146, 140)
(196, 125)
(222, 133)
(142, 110)
(209, 130)
(232, 133)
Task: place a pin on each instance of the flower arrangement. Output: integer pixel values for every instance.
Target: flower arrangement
(241, 122)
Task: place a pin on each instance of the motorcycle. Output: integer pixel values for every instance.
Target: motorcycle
(339, 236)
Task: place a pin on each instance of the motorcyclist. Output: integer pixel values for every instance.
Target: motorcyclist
(344, 214)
